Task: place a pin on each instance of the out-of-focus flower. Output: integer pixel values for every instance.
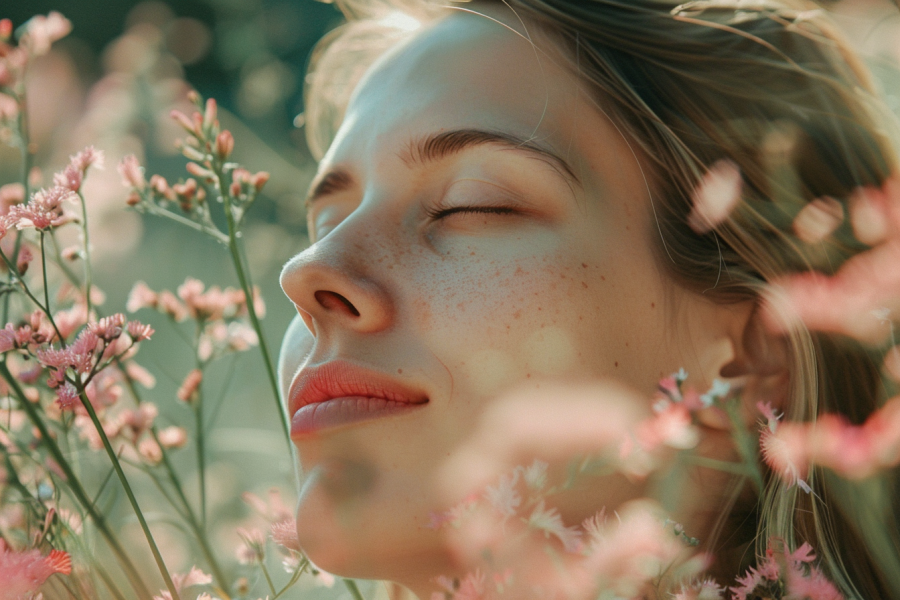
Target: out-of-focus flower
(10, 195)
(818, 219)
(185, 580)
(284, 533)
(851, 451)
(132, 173)
(780, 569)
(717, 194)
(172, 437)
(23, 573)
(252, 549)
(190, 386)
(41, 31)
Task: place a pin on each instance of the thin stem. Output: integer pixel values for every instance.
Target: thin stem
(86, 259)
(25, 148)
(268, 578)
(720, 465)
(45, 310)
(162, 212)
(354, 590)
(244, 280)
(746, 446)
(75, 485)
(44, 277)
(296, 575)
(190, 517)
(130, 493)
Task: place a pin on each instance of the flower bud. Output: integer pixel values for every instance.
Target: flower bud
(133, 199)
(6, 29)
(210, 114)
(224, 144)
(193, 96)
(198, 171)
(259, 180)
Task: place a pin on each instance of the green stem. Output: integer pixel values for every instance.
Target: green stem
(129, 492)
(300, 569)
(86, 259)
(162, 212)
(191, 518)
(746, 445)
(354, 590)
(75, 485)
(32, 297)
(243, 278)
(201, 453)
(25, 147)
(268, 579)
(720, 465)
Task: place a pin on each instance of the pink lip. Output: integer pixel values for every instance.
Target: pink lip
(339, 393)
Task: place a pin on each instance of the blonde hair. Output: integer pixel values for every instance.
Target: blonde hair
(773, 87)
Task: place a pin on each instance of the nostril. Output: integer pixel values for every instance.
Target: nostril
(333, 300)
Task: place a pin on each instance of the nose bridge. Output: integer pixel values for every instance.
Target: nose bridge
(334, 283)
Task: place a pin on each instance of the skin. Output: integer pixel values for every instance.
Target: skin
(547, 275)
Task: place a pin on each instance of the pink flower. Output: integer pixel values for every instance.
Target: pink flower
(7, 338)
(671, 426)
(818, 219)
(86, 158)
(190, 386)
(172, 437)
(284, 533)
(41, 32)
(108, 328)
(9, 108)
(44, 210)
(132, 173)
(138, 331)
(549, 521)
(67, 396)
(141, 296)
(70, 178)
(23, 573)
(717, 194)
(503, 496)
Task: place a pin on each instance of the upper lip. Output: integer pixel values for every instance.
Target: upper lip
(341, 379)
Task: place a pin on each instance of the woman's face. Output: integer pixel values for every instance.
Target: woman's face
(478, 224)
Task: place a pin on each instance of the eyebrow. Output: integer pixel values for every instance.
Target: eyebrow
(441, 145)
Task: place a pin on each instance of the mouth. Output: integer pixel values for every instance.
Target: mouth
(340, 393)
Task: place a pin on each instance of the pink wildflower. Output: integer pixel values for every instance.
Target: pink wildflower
(503, 496)
(41, 32)
(132, 173)
(140, 375)
(69, 321)
(172, 437)
(284, 533)
(70, 178)
(9, 108)
(190, 386)
(23, 573)
(671, 426)
(141, 296)
(24, 259)
(171, 306)
(717, 194)
(138, 331)
(86, 158)
(224, 144)
(109, 328)
(10, 195)
(150, 451)
(7, 338)
(67, 396)
(818, 219)
(44, 210)
(253, 547)
(549, 521)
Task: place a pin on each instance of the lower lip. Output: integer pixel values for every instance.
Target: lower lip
(314, 418)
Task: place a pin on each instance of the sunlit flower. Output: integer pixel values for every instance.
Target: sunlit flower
(818, 219)
(716, 196)
(549, 521)
(503, 496)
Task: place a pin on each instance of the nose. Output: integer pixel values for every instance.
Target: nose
(331, 289)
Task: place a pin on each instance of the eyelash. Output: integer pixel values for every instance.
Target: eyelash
(439, 212)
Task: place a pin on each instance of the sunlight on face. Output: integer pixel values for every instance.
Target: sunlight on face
(478, 224)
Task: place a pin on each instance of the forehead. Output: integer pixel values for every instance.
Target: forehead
(465, 71)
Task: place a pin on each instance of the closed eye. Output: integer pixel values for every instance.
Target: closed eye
(440, 213)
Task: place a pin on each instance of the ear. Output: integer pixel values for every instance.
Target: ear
(759, 367)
